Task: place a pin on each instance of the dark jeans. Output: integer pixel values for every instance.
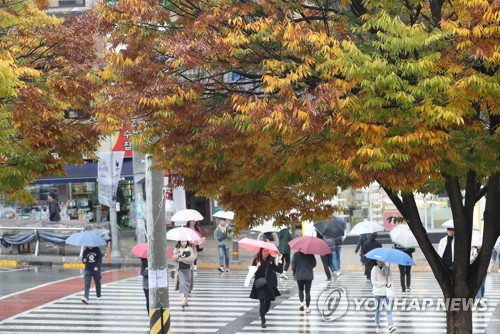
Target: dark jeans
(305, 285)
(327, 264)
(286, 261)
(265, 305)
(87, 279)
(146, 293)
(405, 277)
(336, 258)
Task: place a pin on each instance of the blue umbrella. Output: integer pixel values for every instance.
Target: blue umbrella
(90, 239)
(390, 255)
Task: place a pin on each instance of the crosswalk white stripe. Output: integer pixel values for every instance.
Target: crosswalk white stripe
(218, 300)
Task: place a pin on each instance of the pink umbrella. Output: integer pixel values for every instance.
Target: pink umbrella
(141, 250)
(310, 245)
(256, 245)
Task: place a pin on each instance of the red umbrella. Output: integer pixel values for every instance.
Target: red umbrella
(310, 245)
(141, 250)
(256, 245)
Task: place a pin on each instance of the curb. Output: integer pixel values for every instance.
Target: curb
(9, 263)
(73, 265)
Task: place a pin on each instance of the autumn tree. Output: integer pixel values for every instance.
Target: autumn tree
(43, 67)
(273, 105)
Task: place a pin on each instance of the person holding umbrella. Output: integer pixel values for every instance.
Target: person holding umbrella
(370, 245)
(223, 235)
(183, 258)
(265, 285)
(405, 271)
(302, 267)
(381, 278)
(327, 258)
(92, 258)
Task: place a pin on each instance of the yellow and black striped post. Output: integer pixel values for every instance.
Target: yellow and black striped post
(159, 321)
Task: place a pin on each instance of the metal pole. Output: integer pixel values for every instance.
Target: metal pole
(159, 311)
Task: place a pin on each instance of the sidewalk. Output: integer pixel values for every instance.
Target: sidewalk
(208, 258)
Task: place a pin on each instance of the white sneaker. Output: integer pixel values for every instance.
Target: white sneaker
(284, 276)
(99, 299)
(392, 329)
(337, 273)
(85, 300)
(195, 267)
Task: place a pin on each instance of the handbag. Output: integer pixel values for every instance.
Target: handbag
(261, 281)
(251, 273)
(389, 291)
(183, 265)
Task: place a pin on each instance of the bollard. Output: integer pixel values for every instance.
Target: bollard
(236, 251)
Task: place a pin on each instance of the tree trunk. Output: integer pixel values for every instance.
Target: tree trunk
(459, 321)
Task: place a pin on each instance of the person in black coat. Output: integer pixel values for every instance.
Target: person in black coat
(370, 245)
(145, 280)
(54, 210)
(302, 266)
(267, 269)
(327, 259)
(405, 271)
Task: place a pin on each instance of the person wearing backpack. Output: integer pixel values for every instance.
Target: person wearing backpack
(327, 259)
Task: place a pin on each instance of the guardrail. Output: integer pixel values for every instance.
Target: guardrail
(36, 229)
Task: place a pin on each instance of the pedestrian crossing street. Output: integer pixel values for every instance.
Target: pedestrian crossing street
(220, 304)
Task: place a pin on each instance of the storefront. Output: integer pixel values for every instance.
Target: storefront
(77, 193)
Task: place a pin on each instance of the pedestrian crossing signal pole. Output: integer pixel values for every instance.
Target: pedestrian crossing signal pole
(159, 311)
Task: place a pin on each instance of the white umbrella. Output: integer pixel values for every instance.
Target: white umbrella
(477, 238)
(183, 234)
(403, 236)
(365, 227)
(267, 226)
(229, 215)
(186, 215)
(448, 224)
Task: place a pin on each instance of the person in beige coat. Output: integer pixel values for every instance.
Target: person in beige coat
(184, 256)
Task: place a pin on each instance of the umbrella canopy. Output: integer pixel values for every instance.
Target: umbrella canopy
(310, 245)
(266, 227)
(448, 224)
(366, 227)
(87, 238)
(256, 245)
(390, 255)
(183, 234)
(334, 228)
(403, 236)
(186, 215)
(141, 250)
(229, 215)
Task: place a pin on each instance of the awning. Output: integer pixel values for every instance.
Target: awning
(85, 173)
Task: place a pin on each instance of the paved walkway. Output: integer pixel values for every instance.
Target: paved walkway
(220, 304)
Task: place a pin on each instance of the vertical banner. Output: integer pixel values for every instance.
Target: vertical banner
(109, 169)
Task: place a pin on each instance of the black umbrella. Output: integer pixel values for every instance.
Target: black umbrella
(334, 228)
